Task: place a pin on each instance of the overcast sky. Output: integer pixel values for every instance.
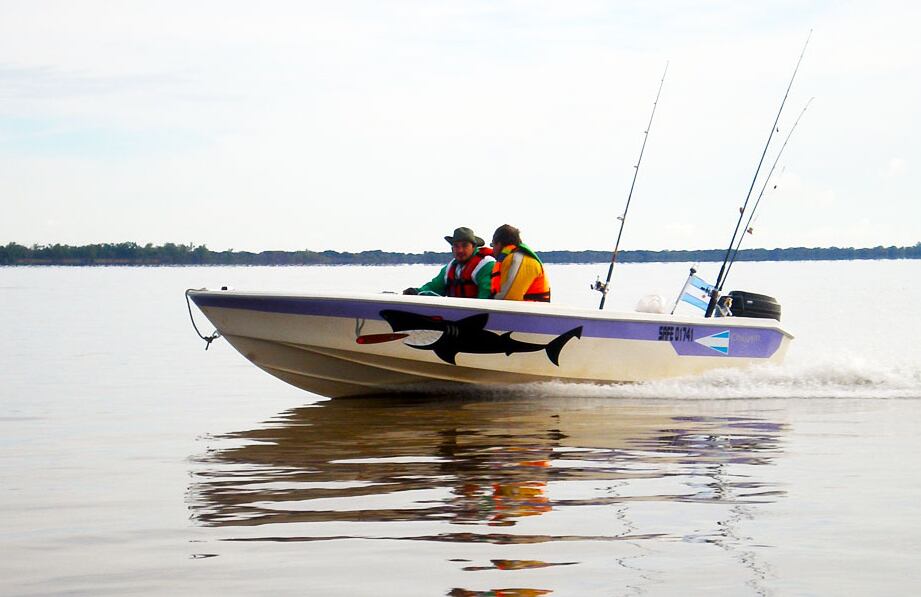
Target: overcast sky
(355, 125)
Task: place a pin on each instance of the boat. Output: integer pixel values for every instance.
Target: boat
(352, 344)
(343, 344)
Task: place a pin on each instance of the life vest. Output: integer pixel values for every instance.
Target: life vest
(495, 279)
(539, 290)
(465, 285)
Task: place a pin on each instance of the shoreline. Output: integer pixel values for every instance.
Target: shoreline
(132, 254)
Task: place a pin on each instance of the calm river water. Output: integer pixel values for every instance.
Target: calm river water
(134, 462)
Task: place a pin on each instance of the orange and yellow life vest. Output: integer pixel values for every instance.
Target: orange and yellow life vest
(538, 290)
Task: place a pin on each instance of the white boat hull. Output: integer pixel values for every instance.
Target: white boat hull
(350, 344)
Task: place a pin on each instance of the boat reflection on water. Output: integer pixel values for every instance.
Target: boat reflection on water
(491, 471)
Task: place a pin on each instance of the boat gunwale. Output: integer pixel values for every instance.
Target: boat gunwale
(510, 307)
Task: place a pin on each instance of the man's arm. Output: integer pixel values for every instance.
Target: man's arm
(483, 277)
(437, 284)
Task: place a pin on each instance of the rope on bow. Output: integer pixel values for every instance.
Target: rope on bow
(208, 339)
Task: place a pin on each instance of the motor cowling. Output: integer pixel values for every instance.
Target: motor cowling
(750, 304)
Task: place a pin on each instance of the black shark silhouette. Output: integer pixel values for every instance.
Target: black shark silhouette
(469, 335)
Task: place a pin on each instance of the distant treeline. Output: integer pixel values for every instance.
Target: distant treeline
(171, 254)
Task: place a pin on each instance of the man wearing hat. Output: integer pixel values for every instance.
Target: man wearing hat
(468, 275)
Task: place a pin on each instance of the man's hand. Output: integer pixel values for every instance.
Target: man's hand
(411, 291)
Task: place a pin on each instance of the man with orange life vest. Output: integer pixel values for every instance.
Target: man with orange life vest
(520, 272)
(468, 275)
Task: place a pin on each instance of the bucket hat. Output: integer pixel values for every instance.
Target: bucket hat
(465, 234)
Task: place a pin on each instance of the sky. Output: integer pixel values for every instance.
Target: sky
(357, 125)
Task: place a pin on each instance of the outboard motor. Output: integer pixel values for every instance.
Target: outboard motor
(749, 304)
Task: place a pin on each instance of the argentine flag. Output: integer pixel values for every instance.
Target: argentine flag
(700, 297)
(718, 342)
(696, 291)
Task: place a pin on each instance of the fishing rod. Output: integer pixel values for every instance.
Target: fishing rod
(754, 209)
(603, 287)
(718, 286)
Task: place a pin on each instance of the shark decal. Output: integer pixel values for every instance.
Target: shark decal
(469, 335)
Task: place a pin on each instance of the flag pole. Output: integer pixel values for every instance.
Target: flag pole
(683, 290)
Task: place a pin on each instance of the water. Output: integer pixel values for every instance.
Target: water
(131, 461)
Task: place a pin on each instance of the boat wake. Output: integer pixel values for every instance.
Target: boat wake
(845, 377)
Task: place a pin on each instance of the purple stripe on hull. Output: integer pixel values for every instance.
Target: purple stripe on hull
(755, 343)
(743, 342)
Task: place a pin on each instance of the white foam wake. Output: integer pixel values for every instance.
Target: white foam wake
(839, 377)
